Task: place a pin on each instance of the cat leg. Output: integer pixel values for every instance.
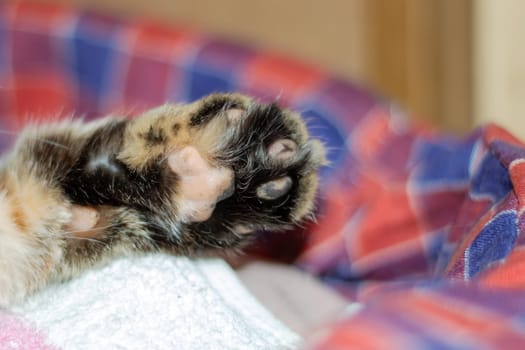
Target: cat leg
(31, 220)
(187, 178)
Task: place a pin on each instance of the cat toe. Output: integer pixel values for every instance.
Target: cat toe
(282, 149)
(234, 115)
(274, 189)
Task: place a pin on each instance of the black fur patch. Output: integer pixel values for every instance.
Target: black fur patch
(53, 153)
(154, 136)
(111, 182)
(175, 129)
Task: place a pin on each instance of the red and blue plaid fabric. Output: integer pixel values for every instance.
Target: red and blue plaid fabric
(425, 229)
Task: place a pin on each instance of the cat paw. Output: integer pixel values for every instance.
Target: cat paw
(201, 185)
(207, 173)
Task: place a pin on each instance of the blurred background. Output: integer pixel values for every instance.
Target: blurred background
(453, 63)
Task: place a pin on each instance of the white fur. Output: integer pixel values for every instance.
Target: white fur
(102, 160)
(15, 256)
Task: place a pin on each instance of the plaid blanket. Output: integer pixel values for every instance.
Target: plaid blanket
(425, 229)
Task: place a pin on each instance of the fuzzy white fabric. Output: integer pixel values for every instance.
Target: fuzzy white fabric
(156, 302)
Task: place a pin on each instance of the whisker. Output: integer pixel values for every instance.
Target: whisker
(101, 227)
(52, 143)
(85, 239)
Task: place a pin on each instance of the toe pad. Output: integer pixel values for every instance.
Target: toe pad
(274, 189)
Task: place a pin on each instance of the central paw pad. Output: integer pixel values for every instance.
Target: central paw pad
(201, 185)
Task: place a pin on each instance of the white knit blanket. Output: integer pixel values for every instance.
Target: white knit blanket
(156, 302)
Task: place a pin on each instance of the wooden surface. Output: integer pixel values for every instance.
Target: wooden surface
(420, 53)
(500, 64)
(415, 51)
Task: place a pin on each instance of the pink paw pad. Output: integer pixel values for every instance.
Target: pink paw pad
(234, 114)
(83, 220)
(201, 185)
(282, 149)
(274, 189)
